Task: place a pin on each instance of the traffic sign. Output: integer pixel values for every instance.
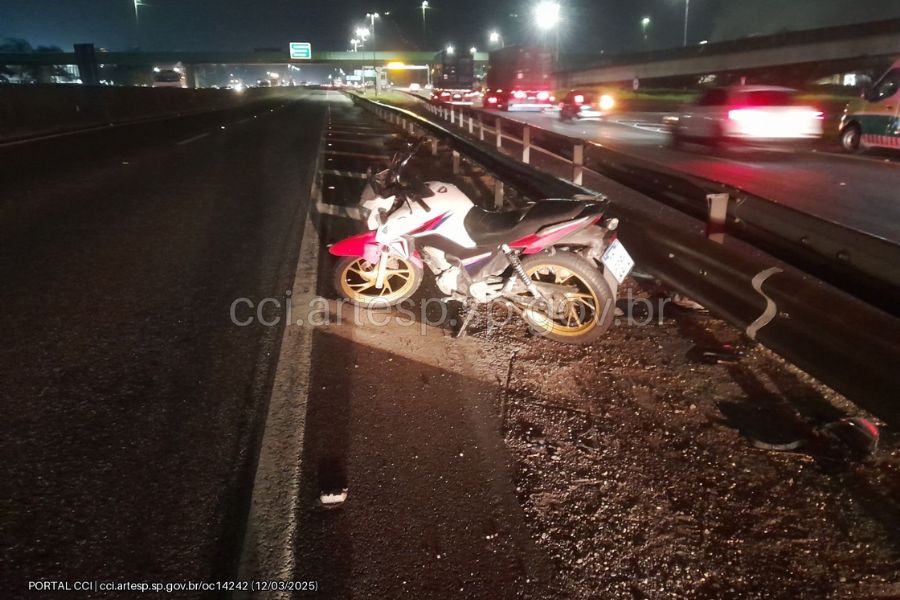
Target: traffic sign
(301, 50)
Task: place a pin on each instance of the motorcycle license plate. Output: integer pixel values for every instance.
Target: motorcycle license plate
(618, 261)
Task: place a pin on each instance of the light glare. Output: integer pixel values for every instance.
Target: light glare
(546, 14)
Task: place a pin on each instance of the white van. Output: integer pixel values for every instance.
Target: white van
(873, 121)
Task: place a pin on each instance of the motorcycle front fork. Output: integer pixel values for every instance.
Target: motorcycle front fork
(382, 271)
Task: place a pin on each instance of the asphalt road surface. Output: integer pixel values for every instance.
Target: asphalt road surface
(856, 191)
(132, 403)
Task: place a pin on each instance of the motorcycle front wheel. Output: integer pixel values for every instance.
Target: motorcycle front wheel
(355, 279)
(579, 316)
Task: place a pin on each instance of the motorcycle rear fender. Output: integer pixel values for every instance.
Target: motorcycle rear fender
(365, 246)
(557, 234)
(588, 237)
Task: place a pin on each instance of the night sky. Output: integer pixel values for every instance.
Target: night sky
(590, 25)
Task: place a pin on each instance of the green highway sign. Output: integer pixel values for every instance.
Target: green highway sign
(301, 51)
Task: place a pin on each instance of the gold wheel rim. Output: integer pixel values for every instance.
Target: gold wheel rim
(582, 310)
(358, 281)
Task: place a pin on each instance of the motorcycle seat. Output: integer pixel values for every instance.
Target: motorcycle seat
(488, 227)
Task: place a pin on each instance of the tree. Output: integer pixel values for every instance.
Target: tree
(31, 73)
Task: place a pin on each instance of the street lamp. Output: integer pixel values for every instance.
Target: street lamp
(645, 22)
(546, 17)
(424, 8)
(473, 50)
(495, 39)
(371, 17)
(546, 14)
(355, 43)
(362, 33)
(450, 49)
(137, 3)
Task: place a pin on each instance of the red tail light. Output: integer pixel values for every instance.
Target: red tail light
(492, 100)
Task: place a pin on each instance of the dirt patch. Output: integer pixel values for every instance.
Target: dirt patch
(638, 478)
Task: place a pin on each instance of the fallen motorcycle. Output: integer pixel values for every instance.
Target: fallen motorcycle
(556, 262)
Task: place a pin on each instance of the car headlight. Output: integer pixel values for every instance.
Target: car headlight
(607, 102)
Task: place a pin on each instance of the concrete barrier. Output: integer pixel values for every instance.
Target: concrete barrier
(35, 110)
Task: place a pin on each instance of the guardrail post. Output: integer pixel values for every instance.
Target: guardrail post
(470, 125)
(498, 126)
(718, 211)
(455, 162)
(434, 146)
(526, 144)
(452, 116)
(578, 164)
(480, 127)
(498, 194)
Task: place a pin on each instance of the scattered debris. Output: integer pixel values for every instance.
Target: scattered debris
(333, 499)
(686, 303)
(724, 354)
(852, 437)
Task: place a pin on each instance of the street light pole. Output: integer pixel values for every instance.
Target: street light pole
(424, 25)
(644, 23)
(372, 17)
(687, 12)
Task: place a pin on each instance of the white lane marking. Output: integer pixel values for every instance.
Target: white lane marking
(192, 139)
(871, 159)
(334, 210)
(268, 546)
(358, 155)
(351, 174)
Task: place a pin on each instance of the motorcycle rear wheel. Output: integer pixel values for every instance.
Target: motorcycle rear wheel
(586, 314)
(354, 279)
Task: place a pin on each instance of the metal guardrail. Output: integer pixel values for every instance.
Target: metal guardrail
(861, 264)
(847, 344)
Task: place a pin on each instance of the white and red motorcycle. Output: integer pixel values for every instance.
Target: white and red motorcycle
(557, 263)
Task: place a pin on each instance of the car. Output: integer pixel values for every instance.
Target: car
(519, 99)
(748, 115)
(455, 97)
(585, 105)
(873, 121)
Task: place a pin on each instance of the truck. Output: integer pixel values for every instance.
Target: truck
(453, 78)
(520, 78)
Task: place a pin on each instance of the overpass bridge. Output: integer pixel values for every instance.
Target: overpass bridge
(798, 56)
(269, 57)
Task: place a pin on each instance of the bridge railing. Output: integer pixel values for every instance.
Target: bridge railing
(859, 263)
